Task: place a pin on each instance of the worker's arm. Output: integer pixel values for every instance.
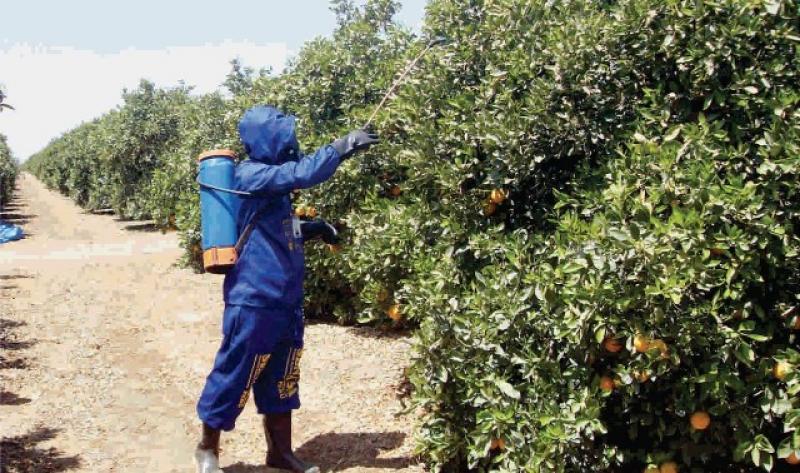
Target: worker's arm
(310, 170)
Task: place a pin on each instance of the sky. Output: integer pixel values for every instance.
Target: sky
(65, 62)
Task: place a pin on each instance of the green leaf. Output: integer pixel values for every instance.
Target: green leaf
(507, 389)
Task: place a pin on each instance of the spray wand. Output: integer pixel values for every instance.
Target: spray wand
(434, 42)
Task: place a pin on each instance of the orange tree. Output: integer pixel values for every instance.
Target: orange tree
(8, 171)
(587, 208)
(646, 317)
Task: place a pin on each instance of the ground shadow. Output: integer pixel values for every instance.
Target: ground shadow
(13, 364)
(9, 342)
(8, 277)
(148, 227)
(22, 454)
(101, 211)
(381, 332)
(16, 218)
(11, 399)
(337, 452)
(6, 324)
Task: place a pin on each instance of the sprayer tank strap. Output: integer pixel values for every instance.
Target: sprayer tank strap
(248, 230)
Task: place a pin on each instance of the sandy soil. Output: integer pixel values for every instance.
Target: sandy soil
(105, 345)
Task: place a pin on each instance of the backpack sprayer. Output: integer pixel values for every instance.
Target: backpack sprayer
(219, 203)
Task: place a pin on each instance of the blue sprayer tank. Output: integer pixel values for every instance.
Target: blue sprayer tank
(218, 210)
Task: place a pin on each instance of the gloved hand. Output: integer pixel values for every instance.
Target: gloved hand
(319, 228)
(354, 141)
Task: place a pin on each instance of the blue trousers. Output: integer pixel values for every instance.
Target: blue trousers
(260, 351)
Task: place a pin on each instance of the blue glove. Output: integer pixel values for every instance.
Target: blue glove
(319, 228)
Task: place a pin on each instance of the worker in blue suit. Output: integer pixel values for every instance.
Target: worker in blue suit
(263, 320)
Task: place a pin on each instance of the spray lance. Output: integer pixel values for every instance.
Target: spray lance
(439, 40)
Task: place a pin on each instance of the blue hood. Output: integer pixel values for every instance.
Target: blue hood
(269, 136)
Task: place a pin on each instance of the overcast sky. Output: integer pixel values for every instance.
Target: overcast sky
(64, 62)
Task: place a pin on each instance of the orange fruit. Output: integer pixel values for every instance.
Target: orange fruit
(641, 343)
(497, 196)
(335, 248)
(700, 420)
(489, 209)
(612, 345)
(781, 369)
(394, 312)
(498, 444)
(300, 211)
(311, 212)
(792, 459)
(659, 345)
(607, 384)
(395, 191)
(643, 376)
(669, 467)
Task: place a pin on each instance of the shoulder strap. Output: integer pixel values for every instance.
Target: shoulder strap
(248, 230)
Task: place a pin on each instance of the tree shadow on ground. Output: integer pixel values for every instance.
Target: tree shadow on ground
(100, 211)
(11, 399)
(22, 454)
(337, 452)
(7, 277)
(13, 364)
(9, 342)
(147, 227)
(382, 333)
(6, 324)
(16, 218)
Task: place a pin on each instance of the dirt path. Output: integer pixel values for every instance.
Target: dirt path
(105, 345)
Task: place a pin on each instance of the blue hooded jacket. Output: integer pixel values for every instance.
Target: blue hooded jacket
(269, 272)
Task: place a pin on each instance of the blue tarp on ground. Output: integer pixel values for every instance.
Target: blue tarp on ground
(9, 232)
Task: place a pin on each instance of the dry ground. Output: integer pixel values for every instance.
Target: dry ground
(106, 345)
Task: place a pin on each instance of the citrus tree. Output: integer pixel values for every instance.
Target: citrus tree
(644, 315)
(8, 171)
(586, 210)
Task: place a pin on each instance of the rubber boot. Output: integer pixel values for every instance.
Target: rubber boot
(206, 457)
(278, 430)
